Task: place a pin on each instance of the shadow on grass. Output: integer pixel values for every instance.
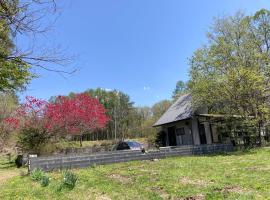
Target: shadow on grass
(7, 164)
(239, 152)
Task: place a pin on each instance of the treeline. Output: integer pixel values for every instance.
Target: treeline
(126, 120)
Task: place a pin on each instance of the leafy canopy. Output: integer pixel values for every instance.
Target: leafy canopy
(14, 72)
(231, 73)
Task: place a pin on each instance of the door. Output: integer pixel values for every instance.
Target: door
(172, 136)
(183, 137)
(202, 134)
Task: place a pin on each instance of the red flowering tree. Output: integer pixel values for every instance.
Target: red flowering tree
(30, 113)
(37, 120)
(76, 116)
(29, 120)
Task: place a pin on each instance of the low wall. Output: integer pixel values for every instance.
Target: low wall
(84, 160)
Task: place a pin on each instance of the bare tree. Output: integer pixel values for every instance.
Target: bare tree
(28, 18)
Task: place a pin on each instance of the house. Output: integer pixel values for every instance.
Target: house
(181, 125)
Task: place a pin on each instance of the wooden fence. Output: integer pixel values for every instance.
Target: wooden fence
(84, 160)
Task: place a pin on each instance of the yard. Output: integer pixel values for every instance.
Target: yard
(239, 175)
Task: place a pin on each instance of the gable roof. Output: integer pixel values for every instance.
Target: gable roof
(180, 110)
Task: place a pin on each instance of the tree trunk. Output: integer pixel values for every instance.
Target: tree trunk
(81, 141)
(260, 137)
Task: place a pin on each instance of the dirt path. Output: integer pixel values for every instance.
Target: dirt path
(8, 174)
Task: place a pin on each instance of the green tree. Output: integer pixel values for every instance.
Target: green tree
(119, 108)
(14, 72)
(160, 108)
(24, 18)
(230, 74)
(180, 88)
(8, 104)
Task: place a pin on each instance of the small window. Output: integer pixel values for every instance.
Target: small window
(180, 131)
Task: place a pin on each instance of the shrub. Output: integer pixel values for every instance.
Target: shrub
(45, 181)
(37, 174)
(19, 161)
(69, 179)
(47, 149)
(31, 139)
(160, 139)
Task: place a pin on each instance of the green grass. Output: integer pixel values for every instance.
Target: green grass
(240, 175)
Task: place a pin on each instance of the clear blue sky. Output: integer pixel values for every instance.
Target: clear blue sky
(139, 47)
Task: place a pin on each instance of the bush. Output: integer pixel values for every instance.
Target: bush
(31, 139)
(69, 179)
(45, 181)
(160, 140)
(47, 149)
(19, 161)
(37, 174)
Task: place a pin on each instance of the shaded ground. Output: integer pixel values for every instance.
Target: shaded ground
(8, 169)
(241, 175)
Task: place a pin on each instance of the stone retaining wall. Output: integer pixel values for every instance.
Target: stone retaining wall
(84, 160)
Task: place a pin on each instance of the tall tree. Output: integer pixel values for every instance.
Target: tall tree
(8, 104)
(118, 107)
(180, 88)
(14, 73)
(160, 108)
(230, 74)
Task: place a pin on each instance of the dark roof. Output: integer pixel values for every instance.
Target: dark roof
(180, 110)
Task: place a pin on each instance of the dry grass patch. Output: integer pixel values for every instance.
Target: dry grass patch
(103, 197)
(120, 178)
(160, 191)
(233, 189)
(196, 197)
(6, 175)
(187, 181)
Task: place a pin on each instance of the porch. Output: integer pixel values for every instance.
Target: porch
(197, 130)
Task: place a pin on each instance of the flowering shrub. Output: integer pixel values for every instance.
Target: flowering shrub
(29, 114)
(37, 120)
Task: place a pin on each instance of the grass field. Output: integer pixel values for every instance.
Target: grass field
(240, 175)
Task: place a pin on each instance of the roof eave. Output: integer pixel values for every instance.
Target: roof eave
(171, 122)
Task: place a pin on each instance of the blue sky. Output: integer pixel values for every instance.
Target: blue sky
(139, 47)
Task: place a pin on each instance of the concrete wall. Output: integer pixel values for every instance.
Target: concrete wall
(84, 160)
